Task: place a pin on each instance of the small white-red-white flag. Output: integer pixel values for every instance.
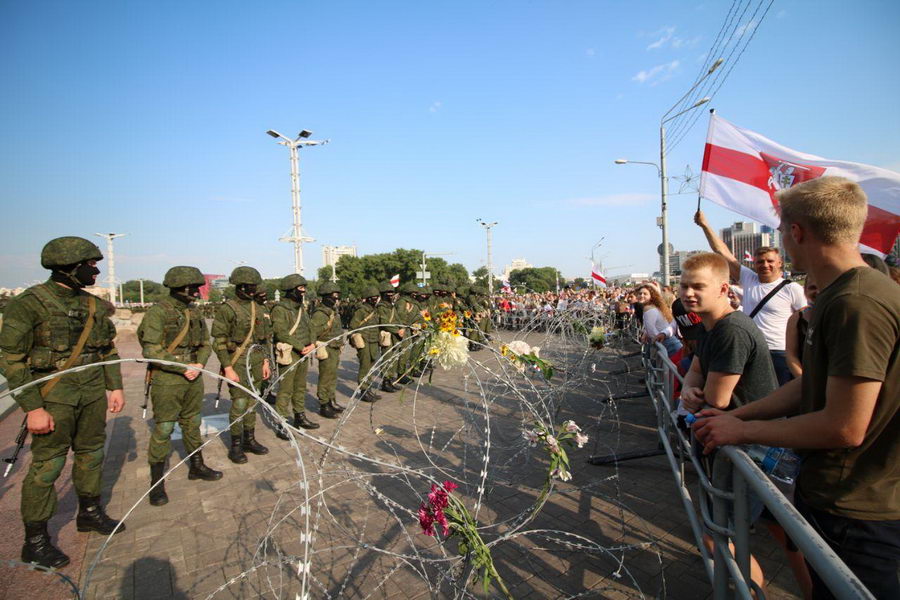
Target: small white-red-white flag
(598, 277)
(747, 256)
(395, 280)
(743, 170)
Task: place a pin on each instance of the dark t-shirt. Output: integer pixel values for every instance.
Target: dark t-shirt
(855, 332)
(735, 345)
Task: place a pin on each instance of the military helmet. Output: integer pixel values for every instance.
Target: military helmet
(328, 288)
(369, 291)
(177, 277)
(386, 287)
(245, 275)
(425, 290)
(408, 288)
(292, 281)
(463, 291)
(439, 287)
(69, 250)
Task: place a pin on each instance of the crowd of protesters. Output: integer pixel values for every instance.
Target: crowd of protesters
(768, 361)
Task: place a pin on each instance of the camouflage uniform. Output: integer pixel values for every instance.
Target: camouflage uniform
(235, 319)
(366, 315)
(290, 323)
(389, 319)
(325, 324)
(41, 328)
(176, 398)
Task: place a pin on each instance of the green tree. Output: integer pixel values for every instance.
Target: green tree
(153, 291)
(481, 276)
(540, 279)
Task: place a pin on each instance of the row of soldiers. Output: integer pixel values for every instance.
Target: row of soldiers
(55, 326)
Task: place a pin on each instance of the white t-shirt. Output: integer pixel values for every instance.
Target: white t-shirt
(773, 317)
(655, 323)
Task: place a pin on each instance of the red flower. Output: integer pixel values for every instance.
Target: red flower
(426, 520)
(441, 518)
(450, 486)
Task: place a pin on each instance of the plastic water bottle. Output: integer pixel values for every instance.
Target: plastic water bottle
(778, 463)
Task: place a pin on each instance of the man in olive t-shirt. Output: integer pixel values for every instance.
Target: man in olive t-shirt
(843, 415)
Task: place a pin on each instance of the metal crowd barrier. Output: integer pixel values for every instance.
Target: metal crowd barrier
(727, 571)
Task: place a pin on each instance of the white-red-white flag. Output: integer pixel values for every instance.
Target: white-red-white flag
(747, 256)
(395, 280)
(743, 170)
(598, 277)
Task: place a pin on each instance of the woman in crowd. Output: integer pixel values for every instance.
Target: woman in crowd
(797, 326)
(659, 325)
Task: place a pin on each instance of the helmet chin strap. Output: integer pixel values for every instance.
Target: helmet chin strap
(245, 292)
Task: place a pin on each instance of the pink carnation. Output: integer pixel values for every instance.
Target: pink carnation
(426, 520)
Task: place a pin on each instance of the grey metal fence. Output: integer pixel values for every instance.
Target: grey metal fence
(729, 572)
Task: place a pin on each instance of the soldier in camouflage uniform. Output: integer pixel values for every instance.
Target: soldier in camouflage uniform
(290, 322)
(410, 315)
(239, 324)
(366, 315)
(388, 318)
(174, 330)
(48, 328)
(325, 324)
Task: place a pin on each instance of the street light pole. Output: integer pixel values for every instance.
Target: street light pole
(294, 145)
(490, 262)
(661, 167)
(111, 273)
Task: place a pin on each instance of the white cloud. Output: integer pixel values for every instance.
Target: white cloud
(657, 74)
(435, 106)
(665, 34)
(666, 37)
(748, 26)
(626, 199)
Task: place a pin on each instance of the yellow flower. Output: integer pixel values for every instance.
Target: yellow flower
(504, 350)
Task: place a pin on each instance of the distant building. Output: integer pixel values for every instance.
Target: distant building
(217, 282)
(676, 260)
(515, 265)
(629, 279)
(331, 254)
(747, 237)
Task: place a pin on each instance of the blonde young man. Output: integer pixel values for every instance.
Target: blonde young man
(770, 313)
(843, 415)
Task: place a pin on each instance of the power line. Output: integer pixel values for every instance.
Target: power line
(685, 130)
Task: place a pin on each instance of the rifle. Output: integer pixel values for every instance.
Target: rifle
(20, 443)
(148, 381)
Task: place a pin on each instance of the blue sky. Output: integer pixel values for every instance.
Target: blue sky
(150, 119)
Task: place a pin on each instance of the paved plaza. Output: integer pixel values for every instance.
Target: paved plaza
(243, 536)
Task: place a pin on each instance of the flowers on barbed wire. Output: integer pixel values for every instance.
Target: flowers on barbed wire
(522, 355)
(447, 511)
(569, 433)
(449, 350)
(597, 338)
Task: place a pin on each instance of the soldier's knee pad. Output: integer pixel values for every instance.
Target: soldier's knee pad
(46, 472)
(192, 422)
(164, 429)
(239, 404)
(89, 461)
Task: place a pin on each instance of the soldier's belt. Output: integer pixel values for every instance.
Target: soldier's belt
(86, 358)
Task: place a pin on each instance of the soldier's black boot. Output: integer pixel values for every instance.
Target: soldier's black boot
(300, 420)
(369, 396)
(328, 412)
(92, 517)
(251, 445)
(336, 406)
(236, 452)
(158, 495)
(199, 470)
(281, 433)
(387, 386)
(38, 548)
